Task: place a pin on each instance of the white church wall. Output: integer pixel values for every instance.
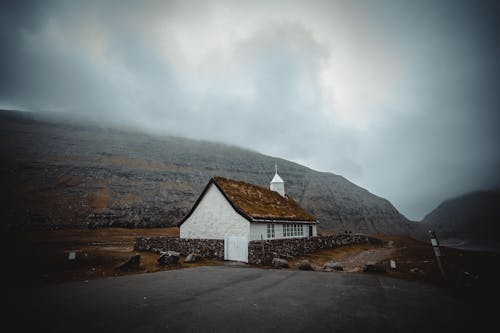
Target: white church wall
(260, 229)
(315, 231)
(213, 218)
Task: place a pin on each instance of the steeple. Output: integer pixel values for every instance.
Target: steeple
(277, 184)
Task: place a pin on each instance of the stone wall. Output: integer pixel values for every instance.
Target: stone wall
(207, 248)
(293, 247)
(259, 252)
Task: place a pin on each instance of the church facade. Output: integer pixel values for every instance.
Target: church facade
(231, 208)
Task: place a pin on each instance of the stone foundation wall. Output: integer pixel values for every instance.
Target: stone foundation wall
(207, 248)
(263, 252)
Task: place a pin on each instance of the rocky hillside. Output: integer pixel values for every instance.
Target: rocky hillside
(473, 217)
(63, 173)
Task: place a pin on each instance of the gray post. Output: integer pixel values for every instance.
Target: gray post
(437, 252)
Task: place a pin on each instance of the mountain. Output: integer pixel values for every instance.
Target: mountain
(63, 173)
(474, 218)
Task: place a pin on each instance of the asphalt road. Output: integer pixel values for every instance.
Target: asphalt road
(236, 299)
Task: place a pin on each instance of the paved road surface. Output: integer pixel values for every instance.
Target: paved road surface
(238, 299)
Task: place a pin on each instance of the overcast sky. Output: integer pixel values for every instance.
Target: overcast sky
(402, 98)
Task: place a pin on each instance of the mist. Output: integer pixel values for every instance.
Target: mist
(399, 97)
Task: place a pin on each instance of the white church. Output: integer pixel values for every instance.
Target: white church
(240, 212)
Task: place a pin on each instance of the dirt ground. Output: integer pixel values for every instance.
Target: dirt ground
(465, 271)
(42, 257)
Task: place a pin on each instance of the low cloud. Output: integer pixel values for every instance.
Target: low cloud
(399, 98)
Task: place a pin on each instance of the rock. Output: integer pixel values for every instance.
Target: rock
(133, 264)
(374, 267)
(169, 258)
(332, 266)
(192, 257)
(305, 265)
(417, 271)
(280, 263)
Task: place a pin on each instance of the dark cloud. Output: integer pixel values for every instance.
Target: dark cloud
(400, 97)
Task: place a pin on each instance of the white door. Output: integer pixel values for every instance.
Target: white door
(236, 248)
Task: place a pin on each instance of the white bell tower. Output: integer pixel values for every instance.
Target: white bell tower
(277, 184)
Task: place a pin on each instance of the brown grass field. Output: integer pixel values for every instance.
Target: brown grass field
(38, 258)
(41, 257)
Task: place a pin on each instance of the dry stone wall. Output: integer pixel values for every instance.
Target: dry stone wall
(206, 248)
(263, 252)
(259, 252)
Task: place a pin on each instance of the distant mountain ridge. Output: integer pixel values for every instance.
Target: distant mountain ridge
(474, 216)
(65, 174)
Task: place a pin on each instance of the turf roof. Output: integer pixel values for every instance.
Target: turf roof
(260, 203)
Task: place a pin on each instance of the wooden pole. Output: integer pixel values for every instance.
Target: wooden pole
(262, 243)
(437, 253)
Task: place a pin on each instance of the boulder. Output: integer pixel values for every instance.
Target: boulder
(374, 267)
(169, 258)
(192, 257)
(133, 264)
(305, 265)
(332, 266)
(417, 271)
(280, 263)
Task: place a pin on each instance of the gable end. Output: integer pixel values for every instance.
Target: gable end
(212, 181)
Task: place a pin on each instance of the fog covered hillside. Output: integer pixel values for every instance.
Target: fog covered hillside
(62, 173)
(473, 218)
